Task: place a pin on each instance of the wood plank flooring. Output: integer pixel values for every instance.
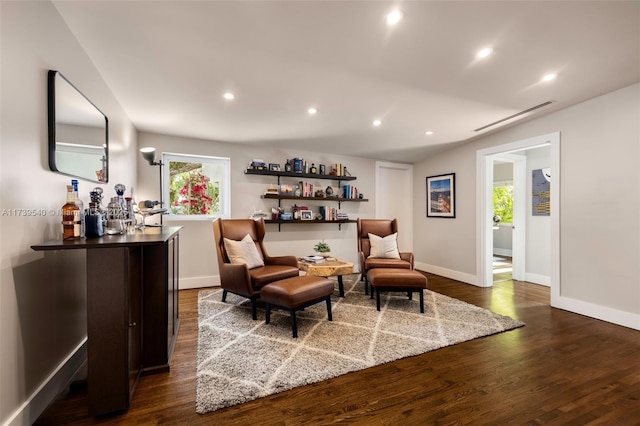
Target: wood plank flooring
(561, 368)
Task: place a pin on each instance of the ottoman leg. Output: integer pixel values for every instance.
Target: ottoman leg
(294, 326)
(224, 296)
(329, 308)
(421, 301)
(267, 314)
(377, 297)
(410, 294)
(366, 285)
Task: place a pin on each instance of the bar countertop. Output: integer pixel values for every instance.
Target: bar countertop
(148, 235)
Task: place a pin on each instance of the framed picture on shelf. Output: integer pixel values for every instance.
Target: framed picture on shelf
(306, 215)
(274, 167)
(286, 190)
(441, 196)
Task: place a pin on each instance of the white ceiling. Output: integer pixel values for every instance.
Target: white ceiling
(169, 62)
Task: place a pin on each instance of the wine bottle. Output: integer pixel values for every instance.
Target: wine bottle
(70, 217)
(80, 204)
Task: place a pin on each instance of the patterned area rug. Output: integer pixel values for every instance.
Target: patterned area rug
(240, 360)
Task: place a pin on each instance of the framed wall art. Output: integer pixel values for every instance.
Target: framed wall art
(441, 196)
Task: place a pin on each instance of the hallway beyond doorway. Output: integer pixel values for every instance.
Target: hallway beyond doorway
(502, 268)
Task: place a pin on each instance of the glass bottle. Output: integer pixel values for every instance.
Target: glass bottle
(80, 204)
(70, 217)
(313, 170)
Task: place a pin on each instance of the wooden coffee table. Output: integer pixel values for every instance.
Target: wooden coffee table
(328, 268)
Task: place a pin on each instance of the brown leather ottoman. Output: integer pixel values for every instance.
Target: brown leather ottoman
(396, 279)
(293, 294)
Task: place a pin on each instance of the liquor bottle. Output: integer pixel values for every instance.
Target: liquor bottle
(313, 169)
(70, 217)
(80, 204)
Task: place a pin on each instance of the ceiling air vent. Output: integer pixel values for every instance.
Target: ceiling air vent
(517, 114)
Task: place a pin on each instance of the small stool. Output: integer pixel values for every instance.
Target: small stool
(396, 279)
(294, 294)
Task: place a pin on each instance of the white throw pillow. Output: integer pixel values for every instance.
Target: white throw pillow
(243, 251)
(386, 247)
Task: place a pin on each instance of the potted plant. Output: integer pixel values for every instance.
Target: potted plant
(322, 248)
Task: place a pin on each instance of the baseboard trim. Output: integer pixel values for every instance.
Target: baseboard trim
(199, 282)
(614, 316)
(447, 273)
(537, 279)
(50, 388)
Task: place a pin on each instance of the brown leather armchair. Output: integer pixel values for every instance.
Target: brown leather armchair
(238, 278)
(381, 228)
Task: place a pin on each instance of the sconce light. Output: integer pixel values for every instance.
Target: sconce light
(149, 154)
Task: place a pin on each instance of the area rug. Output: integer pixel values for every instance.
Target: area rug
(240, 359)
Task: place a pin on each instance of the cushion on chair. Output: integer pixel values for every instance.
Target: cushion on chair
(269, 273)
(384, 247)
(371, 263)
(295, 292)
(243, 251)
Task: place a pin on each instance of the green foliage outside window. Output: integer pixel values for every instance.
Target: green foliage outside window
(191, 191)
(503, 203)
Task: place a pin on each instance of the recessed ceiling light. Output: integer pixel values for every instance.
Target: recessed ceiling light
(394, 17)
(312, 111)
(377, 122)
(549, 77)
(229, 96)
(428, 132)
(483, 53)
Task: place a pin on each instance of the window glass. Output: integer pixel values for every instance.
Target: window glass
(503, 203)
(196, 186)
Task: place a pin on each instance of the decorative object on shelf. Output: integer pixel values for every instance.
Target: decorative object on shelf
(257, 214)
(319, 193)
(298, 191)
(329, 191)
(306, 215)
(274, 167)
(275, 213)
(322, 247)
(298, 165)
(286, 216)
(286, 190)
(441, 196)
(313, 169)
(323, 170)
(272, 190)
(257, 164)
(287, 166)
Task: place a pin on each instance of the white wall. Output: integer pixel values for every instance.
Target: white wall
(600, 176)
(198, 264)
(42, 296)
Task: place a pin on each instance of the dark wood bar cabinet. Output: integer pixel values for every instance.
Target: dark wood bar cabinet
(132, 310)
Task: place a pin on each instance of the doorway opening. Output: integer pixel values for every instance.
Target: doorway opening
(485, 225)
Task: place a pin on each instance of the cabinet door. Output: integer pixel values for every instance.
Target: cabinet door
(135, 317)
(172, 291)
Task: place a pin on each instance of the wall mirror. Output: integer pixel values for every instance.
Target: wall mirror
(78, 132)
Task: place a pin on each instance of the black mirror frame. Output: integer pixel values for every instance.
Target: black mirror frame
(51, 122)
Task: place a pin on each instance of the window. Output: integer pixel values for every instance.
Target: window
(503, 202)
(196, 187)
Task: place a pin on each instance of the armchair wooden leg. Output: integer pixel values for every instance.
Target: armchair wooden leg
(294, 326)
(422, 301)
(410, 294)
(224, 296)
(254, 313)
(267, 315)
(366, 285)
(377, 298)
(329, 308)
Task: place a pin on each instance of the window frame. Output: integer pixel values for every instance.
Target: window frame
(225, 185)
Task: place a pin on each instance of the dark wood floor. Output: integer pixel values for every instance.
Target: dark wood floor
(561, 368)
